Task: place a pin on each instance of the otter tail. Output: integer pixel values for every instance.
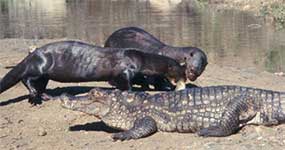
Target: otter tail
(13, 76)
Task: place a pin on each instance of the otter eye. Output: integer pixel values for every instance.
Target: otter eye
(191, 54)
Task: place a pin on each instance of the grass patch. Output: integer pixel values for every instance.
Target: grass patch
(277, 12)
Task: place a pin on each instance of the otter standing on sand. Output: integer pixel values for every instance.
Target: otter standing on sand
(71, 61)
(134, 37)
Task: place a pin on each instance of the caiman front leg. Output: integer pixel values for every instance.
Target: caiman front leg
(240, 110)
(142, 128)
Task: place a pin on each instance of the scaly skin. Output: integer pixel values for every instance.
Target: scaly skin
(209, 111)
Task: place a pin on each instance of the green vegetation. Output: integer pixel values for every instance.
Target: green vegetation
(203, 1)
(277, 12)
(270, 9)
(275, 60)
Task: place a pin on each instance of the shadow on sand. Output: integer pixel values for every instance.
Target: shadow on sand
(95, 126)
(72, 90)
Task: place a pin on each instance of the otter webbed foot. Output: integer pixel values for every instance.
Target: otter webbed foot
(35, 100)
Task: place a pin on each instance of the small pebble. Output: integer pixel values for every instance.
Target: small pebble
(5, 121)
(20, 121)
(42, 132)
(248, 146)
(260, 138)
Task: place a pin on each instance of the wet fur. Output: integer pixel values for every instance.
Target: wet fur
(71, 61)
(194, 58)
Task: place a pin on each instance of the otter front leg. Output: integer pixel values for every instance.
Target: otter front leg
(124, 80)
(161, 83)
(36, 86)
(141, 80)
(142, 127)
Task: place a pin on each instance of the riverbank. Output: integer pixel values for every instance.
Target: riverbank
(272, 10)
(49, 126)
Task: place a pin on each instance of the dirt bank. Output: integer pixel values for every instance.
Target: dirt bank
(49, 126)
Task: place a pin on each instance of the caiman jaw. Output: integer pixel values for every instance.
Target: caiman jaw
(96, 105)
(66, 103)
(76, 104)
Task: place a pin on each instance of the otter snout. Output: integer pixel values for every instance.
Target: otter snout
(196, 64)
(195, 70)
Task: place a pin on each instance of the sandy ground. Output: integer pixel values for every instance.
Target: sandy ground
(49, 126)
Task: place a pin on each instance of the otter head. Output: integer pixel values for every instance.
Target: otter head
(97, 103)
(195, 61)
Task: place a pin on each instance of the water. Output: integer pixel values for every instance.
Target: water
(230, 38)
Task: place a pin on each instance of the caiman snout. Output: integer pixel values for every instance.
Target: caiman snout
(66, 102)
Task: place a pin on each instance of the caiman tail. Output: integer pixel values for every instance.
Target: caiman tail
(13, 76)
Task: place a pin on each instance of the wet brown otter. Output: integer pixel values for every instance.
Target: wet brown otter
(72, 61)
(194, 58)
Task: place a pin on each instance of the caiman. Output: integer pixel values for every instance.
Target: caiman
(209, 111)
